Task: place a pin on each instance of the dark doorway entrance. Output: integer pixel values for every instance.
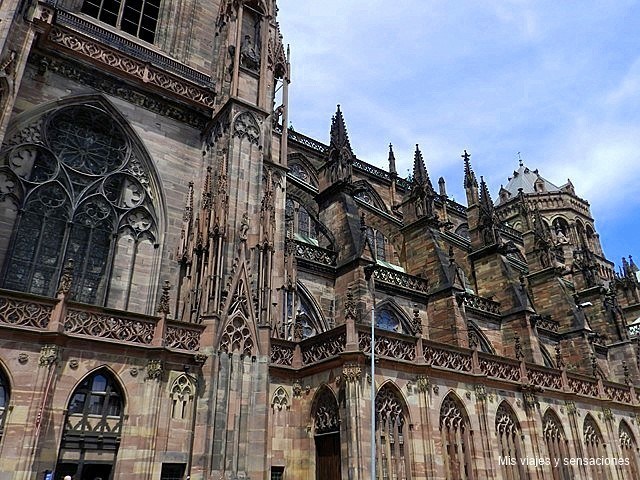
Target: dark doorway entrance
(328, 456)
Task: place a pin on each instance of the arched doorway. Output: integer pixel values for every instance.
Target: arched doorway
(327, 436)
(92, 429)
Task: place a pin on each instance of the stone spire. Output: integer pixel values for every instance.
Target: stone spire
(420, 174)
(340, 156)
(469, 177)
(392, 161)
(470, 181)
(339, 137)
(485, 198)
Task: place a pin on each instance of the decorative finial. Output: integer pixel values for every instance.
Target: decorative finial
(350, 310)
(520, 162)
(163, 306)
(66, 279)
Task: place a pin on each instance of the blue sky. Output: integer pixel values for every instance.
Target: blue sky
(557, 81)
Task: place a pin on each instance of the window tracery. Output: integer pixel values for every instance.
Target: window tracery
(93, 424)
(237, 338)
(392, 457)
(509, 437)
(182, 392)
(377, 241)
(81, 188)
(595, 447)
(629, 449)
(326, 416)
(556, 445)
(456, 440)
(387, 320)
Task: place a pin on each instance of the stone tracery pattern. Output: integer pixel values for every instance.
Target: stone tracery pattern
(237, 338)
(509, 437)
(456, 440)
(81, 184)
(326, 416)
(109, 327)
(453, 360)
(183, 338)
(25, 314)
(327, 347)
(391, 454)
(388, 347)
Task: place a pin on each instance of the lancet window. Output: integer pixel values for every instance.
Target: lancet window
(392, 452)
(82, 195)
(510, 440)
(629, 449)
(594, 443)
(457, 447)
(92, 428)
(377, 241)
(182, 394)
(135, 17)
(301, 317)
(556, 442)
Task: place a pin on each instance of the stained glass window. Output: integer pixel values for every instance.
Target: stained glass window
(387, 320)
(4, 400)
(83, 186)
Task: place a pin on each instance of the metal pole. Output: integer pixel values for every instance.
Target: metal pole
(373, 390)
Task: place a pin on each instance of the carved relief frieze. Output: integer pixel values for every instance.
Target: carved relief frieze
(125, 64)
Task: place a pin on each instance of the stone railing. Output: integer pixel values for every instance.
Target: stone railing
(401, 279)
(427, 354)
(499, 367)
(372, 170)
(29, 312)
(456, 207)
(544, 377)
(183, 336)
(58, 315)
(325, 345)
(446, 356)
(546, 323)
(510, 232)
(617, 393)
(479, 304)
(388, 344)
(315, 254)
(582, 385)
(282, 352)
(117, 327)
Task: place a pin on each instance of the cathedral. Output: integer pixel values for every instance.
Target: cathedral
(191, 290)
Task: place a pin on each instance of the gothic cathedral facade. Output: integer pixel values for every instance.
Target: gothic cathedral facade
(188, 289)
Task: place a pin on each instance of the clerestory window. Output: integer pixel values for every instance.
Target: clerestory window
(135, 17)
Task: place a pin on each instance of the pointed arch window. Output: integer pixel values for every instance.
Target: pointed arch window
(83, 189)
(92, 428)
(182, 394)
(135, 17)
(386, 319)
(510, 440)
(302, 318)
(557, 447)
(392, 456)
(629, 449)
(457, 447)
(595, 447)
(377, 241)
(5, 395)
